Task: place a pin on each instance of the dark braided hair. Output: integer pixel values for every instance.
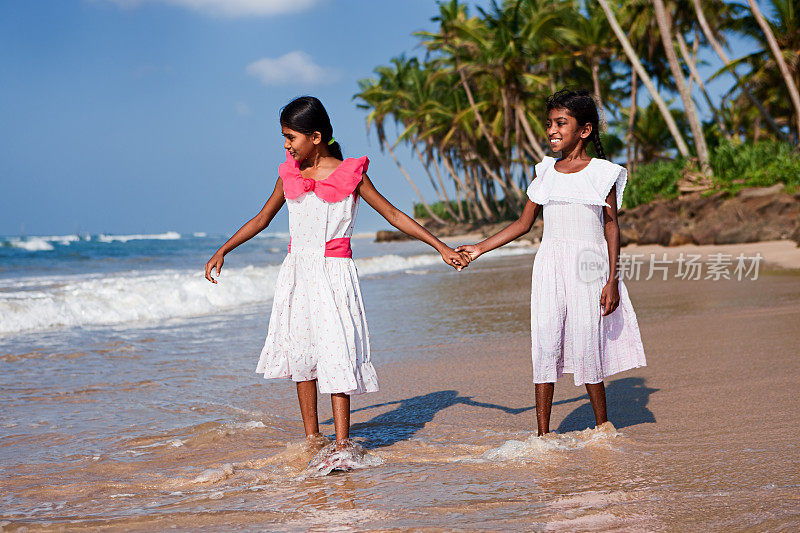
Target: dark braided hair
(307, 115)
(582, 107)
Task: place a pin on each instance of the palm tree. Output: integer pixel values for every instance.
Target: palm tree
(382, 96)
(680, 143)
(715, 44)
(652, 140)
(593, 43)
(791, 86)
(665, 28)
(690, 62)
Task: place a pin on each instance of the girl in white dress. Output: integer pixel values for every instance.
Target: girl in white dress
(582, 320)
(317, 333)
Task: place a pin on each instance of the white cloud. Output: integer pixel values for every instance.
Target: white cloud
(243, 109)
(294, 68)
(229, 8)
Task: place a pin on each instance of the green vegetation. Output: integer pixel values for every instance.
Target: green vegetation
(735, 166)
(756, 165)
(470, 107)
(440, 209)
(654, 180)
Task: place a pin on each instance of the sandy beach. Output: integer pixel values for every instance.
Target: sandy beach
(704, 437)
(782, 253)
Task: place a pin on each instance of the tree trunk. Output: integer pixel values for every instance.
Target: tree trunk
(701, 18)
(776, 51)
(510, 189)
(506, 119)
(479, 118)
(757, 128)
(596, 81)
(634, 59)
(696, 75)
(463, 185)
(664, 21)
(488, 214)
(631, 149)
(443, 194)
(428, 173)
(532, 141)
(413, 185)
(526, 176)
(460, 216)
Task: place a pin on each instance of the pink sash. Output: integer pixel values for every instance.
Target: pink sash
(335, 247)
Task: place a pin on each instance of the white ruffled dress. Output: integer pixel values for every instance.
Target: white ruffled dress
(318, 327)
(570, 269)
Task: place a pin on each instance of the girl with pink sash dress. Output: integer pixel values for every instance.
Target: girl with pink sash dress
(318, 328)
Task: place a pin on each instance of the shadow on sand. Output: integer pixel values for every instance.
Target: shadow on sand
(411, 415)
(626, 400)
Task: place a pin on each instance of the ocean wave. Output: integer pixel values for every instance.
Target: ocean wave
(536, 448)
(37, 243)
(279, 235)
(31, 244)
(29, 304)
(131, 297)
(167, 236)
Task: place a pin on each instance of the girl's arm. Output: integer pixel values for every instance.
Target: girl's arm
(407, 225)
(609, 298)
(516, 229)
(251, 228)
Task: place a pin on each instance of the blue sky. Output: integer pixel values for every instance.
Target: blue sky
(128, 116)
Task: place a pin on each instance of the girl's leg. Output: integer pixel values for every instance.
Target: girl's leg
(597, 397)
(340, 403)
(544, 403)
(307, 394)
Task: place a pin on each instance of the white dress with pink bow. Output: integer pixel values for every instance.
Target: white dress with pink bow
(318, 328)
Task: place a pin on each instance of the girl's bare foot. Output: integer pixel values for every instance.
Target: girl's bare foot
(316, 441)
(344, 444)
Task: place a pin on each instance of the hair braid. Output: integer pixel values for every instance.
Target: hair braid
(598, 146)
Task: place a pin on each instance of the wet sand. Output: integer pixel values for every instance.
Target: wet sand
(706, 435)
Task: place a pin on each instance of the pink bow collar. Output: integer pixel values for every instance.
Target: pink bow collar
(339, 185)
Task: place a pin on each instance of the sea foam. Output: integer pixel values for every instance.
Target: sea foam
(534, 448)
(129, 297)
(32, 244)
(29, 304)
(168, 236)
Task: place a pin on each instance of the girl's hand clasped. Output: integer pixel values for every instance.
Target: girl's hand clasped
(455, 259)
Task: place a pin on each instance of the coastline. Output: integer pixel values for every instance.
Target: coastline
(781, 254)
(698, 223)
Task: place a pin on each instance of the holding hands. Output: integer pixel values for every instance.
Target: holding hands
(455, 258)
(473, 251)
(462, 256)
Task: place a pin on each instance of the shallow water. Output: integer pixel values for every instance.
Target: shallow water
(152, 425)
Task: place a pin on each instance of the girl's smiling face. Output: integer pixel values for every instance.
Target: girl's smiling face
(299, 144)
(564, 132)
